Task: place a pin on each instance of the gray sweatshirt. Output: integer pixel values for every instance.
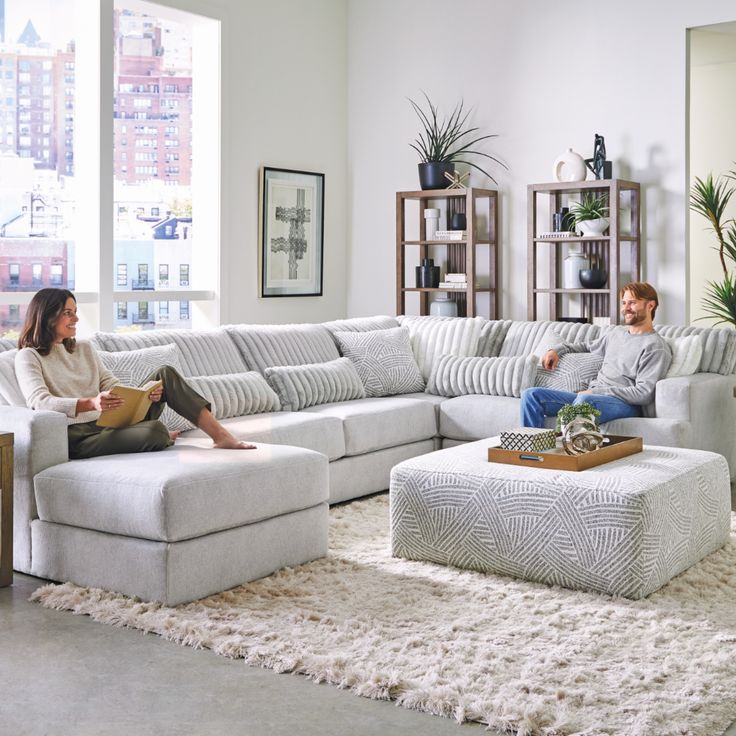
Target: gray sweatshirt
(55, 381)
(632, 363)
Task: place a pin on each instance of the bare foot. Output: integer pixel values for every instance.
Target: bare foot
(231, 443)
(174, 435)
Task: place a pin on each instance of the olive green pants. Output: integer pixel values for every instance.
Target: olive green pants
(89, 440)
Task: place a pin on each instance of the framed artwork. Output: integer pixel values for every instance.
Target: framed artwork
(292, 209)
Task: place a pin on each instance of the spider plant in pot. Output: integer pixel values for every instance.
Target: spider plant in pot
(445, 141)
(710, 199)
(590, 215)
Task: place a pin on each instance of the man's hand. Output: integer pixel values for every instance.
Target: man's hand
(587, 391)
(550, 360)
(156, 394)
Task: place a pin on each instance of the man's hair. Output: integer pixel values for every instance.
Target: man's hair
(43, 311)
(642, 290)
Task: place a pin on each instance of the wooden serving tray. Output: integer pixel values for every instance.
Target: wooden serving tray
(557, 459)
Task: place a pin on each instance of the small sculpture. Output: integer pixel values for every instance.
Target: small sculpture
(597, 164)
(581, 435)
(456, 179)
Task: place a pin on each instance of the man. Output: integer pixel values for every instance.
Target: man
(635, 357)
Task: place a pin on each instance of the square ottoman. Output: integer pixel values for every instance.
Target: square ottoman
(622, 528)
(180, 524)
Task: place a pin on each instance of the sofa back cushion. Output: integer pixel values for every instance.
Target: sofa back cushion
(361, 324)
(264, 346)
(7, 344)
(525, 338)
(202, 352)
(300, 386)
(383, 359)
(492, 337)
(10, 393)
(432, 337)
(453, 376)
(719, 346)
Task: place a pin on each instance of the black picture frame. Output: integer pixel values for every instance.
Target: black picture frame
(291, 232)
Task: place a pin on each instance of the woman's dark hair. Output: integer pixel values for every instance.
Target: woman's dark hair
(43, 311)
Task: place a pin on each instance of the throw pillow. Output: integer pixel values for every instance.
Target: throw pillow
(131, 367)
(686, 354)
(574, 372)
(300, 386)
(453, 376)
(10, 393)
(383, 359)
(236, 394)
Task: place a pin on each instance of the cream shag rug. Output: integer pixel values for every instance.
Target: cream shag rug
(521, 657)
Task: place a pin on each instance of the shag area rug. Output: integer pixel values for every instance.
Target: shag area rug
(520, 657)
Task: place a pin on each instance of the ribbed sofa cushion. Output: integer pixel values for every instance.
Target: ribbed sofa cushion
(432, 337)
(203, 352)
(719, 346)
(236, 394)
(525, 338)
(263, 346)
(361, 324)
(453, 376)
(6, 344)
(300, 386)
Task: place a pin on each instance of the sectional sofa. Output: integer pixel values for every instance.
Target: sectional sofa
(332, 407)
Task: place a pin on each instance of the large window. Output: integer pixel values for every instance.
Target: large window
(85, 216)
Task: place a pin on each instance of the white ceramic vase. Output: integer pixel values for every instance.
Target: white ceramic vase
(443, 306)
(570, 166)
(575, 260)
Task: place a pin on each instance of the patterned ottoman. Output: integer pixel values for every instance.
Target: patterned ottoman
(623, 528)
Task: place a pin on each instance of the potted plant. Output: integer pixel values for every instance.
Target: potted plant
(710, 199)
(590, 215)
(443, 142)
(570, 412)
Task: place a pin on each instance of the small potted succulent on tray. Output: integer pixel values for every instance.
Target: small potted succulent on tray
(590, 215)
(443, 142)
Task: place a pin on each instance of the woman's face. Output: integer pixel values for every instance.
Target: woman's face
(66, 324)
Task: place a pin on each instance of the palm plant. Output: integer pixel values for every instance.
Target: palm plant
(710, 198)
(446, 139)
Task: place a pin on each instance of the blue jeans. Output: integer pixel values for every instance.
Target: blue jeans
(538, 403)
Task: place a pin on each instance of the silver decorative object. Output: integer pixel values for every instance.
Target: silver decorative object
(581, 435)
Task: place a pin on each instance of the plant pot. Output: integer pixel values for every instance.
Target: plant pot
(593, 278)
(593, 227)
(432, 174)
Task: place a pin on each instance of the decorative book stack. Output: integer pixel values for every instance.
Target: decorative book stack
(454, 281)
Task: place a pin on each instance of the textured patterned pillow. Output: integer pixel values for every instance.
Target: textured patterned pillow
(131, 367)
(686, 355)
(574, 372)
(432, 337)
(453, 376)
(383, 359)
(300, 386)
(10, 393)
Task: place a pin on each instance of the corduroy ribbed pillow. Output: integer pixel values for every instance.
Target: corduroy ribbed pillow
(384, 360)
(687, 352)
(300, 386)
(236, 394)
(573, 373)
(453, 376)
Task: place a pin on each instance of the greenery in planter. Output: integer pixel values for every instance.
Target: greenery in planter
(569, 411)
(591, 207)
(446, 139)
(710, 199)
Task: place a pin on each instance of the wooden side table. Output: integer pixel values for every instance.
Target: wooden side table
(6, 508)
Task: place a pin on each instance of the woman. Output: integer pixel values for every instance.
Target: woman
(58, 373)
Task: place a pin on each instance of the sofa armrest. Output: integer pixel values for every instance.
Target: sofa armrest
(706, 400)
(40, 438)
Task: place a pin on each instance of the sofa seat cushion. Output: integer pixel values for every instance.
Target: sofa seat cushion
(477, 417)
(376, 423)
(182, 492)
(312, 431)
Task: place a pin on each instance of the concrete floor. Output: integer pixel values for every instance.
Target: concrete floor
(65, 675)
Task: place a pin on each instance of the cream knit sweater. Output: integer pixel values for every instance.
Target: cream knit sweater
(55, 381)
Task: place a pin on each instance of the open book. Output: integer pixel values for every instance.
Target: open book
(135, 406)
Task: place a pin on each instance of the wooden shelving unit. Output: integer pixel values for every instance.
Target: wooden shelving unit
(542, 201)
(481, 210)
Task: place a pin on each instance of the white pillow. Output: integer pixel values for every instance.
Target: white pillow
(686, 354)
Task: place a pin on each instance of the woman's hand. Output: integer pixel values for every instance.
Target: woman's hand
(156, 394)
(106, 400)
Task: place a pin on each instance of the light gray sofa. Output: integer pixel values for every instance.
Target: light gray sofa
(190, 521)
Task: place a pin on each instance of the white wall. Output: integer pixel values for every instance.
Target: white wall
(712, 144)
(544, 76)
(284, 81)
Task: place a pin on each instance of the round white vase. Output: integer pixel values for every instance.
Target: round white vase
(431, 223)
(575, 260)
(443, 306)
(588, 228)
(570, 166)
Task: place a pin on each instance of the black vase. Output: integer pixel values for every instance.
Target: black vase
(432, 174)
(428, 275)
